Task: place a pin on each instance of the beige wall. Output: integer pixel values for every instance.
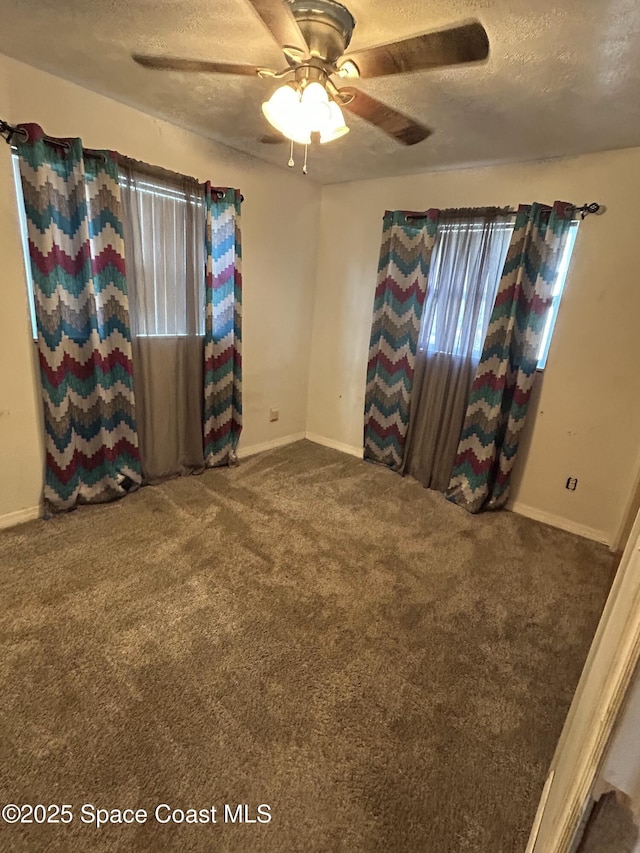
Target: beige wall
(280, 227)
(586, 420)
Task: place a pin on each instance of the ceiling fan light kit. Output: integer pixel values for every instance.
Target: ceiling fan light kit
(298, 113)
(303, 107)
(314, 35)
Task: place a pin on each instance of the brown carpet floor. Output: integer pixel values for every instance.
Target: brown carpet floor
(306, 631)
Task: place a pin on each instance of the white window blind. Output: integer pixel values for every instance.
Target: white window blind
(165, 231)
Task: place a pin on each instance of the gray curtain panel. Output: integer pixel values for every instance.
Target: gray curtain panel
(164, 225)
(467, 263)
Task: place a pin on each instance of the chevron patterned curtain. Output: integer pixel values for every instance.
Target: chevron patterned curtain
(500, 394)
(72, 204)
(403, 270)
(223, 327)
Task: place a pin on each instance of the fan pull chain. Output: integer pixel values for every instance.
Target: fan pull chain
(304, 167)
(291, 162)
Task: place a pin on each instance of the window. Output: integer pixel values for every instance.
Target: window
(167, 233)
(25, 245)
(448, 235)
(558, 287)
(164, 230)
(468, 258)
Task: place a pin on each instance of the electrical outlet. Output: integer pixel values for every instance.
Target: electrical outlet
(274, 414)
(572, 484)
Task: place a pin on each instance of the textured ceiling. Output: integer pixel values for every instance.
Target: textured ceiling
(563, 77)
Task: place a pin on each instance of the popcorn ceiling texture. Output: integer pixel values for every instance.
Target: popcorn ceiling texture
(562, 77)
(306, 630)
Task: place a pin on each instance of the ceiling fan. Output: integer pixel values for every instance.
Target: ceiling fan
(314, 35)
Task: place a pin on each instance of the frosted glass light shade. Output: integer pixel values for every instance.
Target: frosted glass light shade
(282, 110)
(315, 106)
(335, 127)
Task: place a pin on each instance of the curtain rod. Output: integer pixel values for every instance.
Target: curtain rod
(583, 210)
(8, 131)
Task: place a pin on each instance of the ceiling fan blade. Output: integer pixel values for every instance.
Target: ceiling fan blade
(169, 63)
(400, 127)
(278, 18)
(466, 43)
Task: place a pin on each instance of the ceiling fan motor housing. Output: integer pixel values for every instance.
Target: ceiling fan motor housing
(326, 26)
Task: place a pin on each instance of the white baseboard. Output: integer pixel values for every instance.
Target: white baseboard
(335, 445)
(561, 523)
(252, 449)
(11, 519)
